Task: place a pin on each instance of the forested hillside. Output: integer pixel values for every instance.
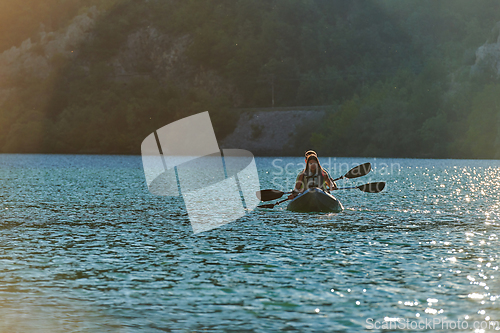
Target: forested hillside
(404, 78)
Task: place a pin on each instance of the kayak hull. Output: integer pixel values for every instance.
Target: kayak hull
(315, 200)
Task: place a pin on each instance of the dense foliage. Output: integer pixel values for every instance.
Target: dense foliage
(20, 20)
(395, 72)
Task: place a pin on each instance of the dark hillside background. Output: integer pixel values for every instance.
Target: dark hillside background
(404, 78)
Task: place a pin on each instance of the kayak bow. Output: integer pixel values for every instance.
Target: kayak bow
(315, 200)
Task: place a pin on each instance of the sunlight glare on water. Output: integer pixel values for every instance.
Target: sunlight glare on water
(85, 247)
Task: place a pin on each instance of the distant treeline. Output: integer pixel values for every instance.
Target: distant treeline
(398, 73)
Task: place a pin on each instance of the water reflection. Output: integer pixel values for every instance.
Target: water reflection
(84, 246)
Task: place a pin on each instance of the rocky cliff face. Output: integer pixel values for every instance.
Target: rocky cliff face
(148, 52)
(273, 133)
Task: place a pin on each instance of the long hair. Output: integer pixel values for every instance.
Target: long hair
(312, 158)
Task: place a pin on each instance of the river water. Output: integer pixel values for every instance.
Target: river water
(84, 247)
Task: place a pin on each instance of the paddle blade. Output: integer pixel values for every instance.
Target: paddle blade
(267, 195)
(360, 170)
(266, 206)
(372, 187)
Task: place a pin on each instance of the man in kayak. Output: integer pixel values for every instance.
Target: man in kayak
(312, 176)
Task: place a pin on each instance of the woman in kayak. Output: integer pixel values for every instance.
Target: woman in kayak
(312, 176)
(312, 152)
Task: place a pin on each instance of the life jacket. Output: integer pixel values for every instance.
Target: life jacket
(313, 180)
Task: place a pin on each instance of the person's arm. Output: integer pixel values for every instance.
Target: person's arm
(331, 184)
(298, 186)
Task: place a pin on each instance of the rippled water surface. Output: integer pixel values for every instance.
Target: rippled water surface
(84, 247)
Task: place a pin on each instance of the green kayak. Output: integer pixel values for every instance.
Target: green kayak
(315, 200)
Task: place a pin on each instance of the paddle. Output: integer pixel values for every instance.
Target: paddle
(369, 188)
(358, 171)
(268, 195)
(272, 205)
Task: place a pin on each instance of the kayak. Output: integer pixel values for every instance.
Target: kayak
(315, 200)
